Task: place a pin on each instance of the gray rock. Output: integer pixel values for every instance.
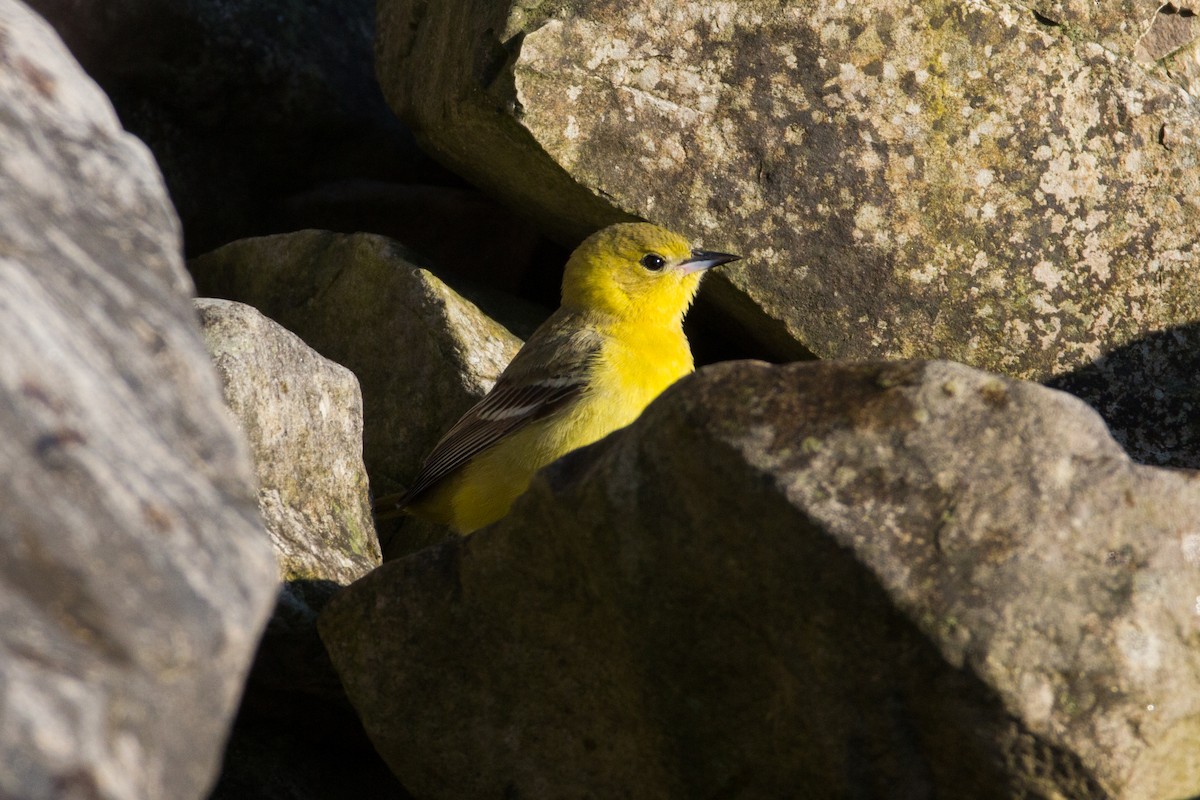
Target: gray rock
(825, 580)
(296, 734)
(422, 354)
(303, 417)
(135, 575)
(904, 179)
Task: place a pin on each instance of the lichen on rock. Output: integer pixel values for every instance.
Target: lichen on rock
(906, 179)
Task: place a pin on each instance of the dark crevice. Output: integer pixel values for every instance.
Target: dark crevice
(1044, 20)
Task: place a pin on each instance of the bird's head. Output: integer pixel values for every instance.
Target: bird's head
(636, 270)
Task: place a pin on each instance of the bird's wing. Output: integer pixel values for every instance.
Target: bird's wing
(549, 373)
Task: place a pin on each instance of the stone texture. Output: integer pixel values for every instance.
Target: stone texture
(1171, 28)
(1172, 40)
(477, 135)
(822, 580)
(1117, 25)
(303, 417)
(296, 735)
(134, 572)
(422, 353)
(905, 179)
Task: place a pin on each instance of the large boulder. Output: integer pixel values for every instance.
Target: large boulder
(820, 580)
(905, 179)
(135, 574)
(1148, 392)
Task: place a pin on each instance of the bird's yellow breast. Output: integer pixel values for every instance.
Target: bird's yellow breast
(636, 364)
(632, 368)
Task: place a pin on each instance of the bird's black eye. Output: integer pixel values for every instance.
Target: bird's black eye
(653, 262)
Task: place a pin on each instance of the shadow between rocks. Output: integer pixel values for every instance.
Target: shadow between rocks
(296, 736)
(1148, 391)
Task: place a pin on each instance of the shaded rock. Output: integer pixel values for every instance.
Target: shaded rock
(905, 179)
(823, 580)
(303, 417)
(134, 572)
(296, 734)
(244, 103)
(479, 134)
(457, 231)
(421, 353)
(1148, 392)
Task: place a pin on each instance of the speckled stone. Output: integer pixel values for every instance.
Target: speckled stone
(302, 415)
(950, 180)
(823, 580)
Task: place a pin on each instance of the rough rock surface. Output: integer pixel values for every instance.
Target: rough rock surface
(1172, 40)
(1122, 26)
(907, 179)
(822, 580)
(296, 735)
(134, 572)
(303, 416)
(422, 353)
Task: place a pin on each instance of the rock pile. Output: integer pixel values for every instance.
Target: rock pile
(931, 527)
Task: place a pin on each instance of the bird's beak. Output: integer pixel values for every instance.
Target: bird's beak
(705, 259)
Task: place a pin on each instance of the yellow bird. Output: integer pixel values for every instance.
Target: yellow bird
(616, 342)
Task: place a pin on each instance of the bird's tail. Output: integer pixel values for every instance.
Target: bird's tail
(390, 506)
